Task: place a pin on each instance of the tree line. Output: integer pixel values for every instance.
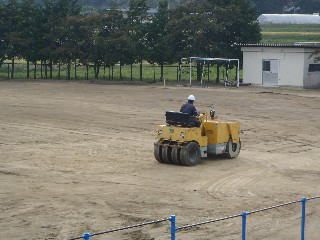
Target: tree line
(263, 6)
(56, 32)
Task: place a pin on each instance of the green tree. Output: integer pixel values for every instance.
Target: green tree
(210, 28)
(236, 21)
(137, 28)
(71, 41)
(31, 15)
(57, 31)
(12, 41)
(159, 51)
(3, 33)
(118, 42)
(19, 24)
(187, 29)
(109, 41)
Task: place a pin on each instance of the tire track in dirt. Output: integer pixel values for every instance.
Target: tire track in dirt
(234, 184)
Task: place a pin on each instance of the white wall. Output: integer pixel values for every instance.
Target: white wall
(311, 79)
(291, 70)
(252, 66)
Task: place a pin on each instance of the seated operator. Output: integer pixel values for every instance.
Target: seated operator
(190, 109)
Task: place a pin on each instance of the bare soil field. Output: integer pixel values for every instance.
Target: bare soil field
(78, 157)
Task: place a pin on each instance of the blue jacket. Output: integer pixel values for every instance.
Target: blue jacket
(189, 108)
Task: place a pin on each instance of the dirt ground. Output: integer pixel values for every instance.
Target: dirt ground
(78, 157)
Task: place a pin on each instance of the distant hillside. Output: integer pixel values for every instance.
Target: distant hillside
(100, 4)
(263, 6)
(121, 3)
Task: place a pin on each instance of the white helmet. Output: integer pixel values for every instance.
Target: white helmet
(191, 98)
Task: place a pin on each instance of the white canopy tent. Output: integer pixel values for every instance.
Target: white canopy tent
(205, 60)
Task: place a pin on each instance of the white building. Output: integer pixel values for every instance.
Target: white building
(282, 65)
(289, 18)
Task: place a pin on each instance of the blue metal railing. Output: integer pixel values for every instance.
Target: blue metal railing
(87, 236)
(174, 229)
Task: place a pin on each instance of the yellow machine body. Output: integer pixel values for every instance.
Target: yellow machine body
(221, 132)
(210, 132)
(181, 135)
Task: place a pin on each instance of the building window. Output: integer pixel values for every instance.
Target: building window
(266, 66)
(314, 67)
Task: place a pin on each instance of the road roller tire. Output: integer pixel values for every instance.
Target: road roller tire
(190, 154)
(158, 152)
(166, 153)
(233, 149)
(175, 155)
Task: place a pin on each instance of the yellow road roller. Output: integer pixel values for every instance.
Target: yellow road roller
(184, 139)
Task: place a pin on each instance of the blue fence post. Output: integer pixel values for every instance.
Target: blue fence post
(303, 216)
(173, 227)
(244, 225)
(86, 236)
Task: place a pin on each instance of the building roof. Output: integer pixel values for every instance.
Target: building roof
(289, 18)
(296, 45)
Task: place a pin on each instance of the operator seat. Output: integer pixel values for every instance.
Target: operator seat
(181, 119)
